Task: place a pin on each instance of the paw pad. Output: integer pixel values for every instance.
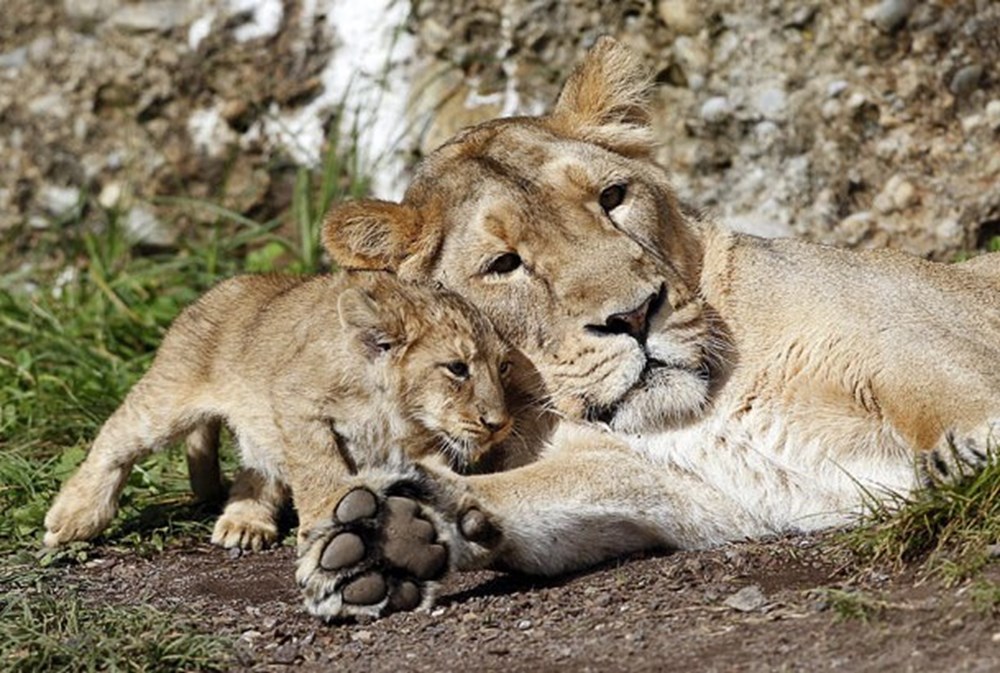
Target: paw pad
(375, 555)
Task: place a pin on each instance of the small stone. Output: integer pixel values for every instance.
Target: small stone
(770, 102)
(995, 637)
(682, 16)
(524, 625)
(904, 195)
(801, 17)
(856, 227)
(14, 59)
(716, 109)
(993, 550)
(889, 15)
(966, 80)
(691, 55)
(363, 636)
(90, 11)
(836, 87)
(993, 114)
(747, 599)
(111, 195)
(285, 654)
(58, 200)
(143, 227)
(152, 15)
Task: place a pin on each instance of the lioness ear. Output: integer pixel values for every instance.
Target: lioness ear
(360, 315)
(370, 234)
(606, 100)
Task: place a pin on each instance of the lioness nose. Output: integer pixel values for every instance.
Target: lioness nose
(635, 323)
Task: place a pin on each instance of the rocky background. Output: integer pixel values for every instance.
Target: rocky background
(859, 122)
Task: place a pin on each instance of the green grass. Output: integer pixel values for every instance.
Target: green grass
(852, 604)
(73, 340)
(949, 528)
(44, 631)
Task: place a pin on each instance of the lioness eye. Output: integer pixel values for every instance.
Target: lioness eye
(458, 369)
(611, 197)
(504, 368)
(505, 263)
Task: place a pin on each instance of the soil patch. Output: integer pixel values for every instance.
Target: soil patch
(780, 605)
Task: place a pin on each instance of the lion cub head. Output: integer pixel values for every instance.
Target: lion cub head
(567, 234)
(435, 356)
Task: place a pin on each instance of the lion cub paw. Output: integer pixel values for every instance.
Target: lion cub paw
(246, 525)
(377, 554)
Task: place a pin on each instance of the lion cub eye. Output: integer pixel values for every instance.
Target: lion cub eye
(505, 368)
(611, 197)
(505, 263)
(458, 369)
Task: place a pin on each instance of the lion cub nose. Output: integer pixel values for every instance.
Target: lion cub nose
(494, 422)
(635, 323)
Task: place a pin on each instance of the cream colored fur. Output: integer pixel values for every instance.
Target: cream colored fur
(777, 384)
(317, 378)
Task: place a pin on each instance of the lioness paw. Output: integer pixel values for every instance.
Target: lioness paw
(377, 554)
(246, 525)
(961, 455)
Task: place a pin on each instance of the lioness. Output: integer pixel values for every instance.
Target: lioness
(734, 387)
(317, 377)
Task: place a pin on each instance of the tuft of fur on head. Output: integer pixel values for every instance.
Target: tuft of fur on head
(606, 101)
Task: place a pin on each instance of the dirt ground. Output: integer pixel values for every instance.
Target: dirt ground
(780, 605)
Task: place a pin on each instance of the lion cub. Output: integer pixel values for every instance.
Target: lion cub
(316, 377)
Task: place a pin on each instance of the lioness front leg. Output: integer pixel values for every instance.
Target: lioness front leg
(385, 542)
(960, 453)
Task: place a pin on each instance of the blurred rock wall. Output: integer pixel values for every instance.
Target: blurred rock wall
(864, 123)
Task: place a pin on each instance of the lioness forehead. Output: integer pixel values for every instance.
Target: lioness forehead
(510, 157)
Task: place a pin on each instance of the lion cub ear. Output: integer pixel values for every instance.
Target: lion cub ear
(370, 234)
(376, 329)
(606, 100)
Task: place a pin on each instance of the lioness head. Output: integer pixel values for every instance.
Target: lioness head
(566, 233)
(440, 360)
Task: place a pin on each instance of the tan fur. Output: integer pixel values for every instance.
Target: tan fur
(317, 378)
(779, 380)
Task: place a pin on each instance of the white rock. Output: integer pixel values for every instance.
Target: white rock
(152, 15)
(836, 87)
(90, 10)
(142, 226)
(993, 114)
(716, 109)
(856, 227)
(771, 102)
(111, 195)
(747, 599)
(681, 15)
(889, 15)
(58, 200)
(14, 59)
(691, 55)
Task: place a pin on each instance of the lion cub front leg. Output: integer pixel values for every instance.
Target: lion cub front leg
(151, 416)
(250, 518)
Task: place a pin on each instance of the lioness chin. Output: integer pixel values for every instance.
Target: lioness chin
(726, 386)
